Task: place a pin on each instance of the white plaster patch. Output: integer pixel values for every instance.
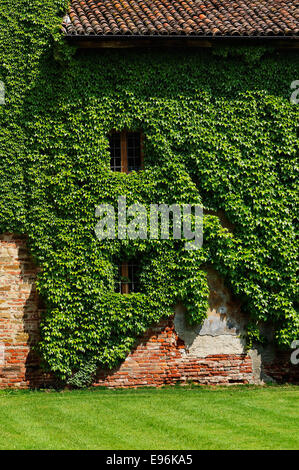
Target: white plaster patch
(220, 333)
(216, 325)
(204, 346)
(2, 354)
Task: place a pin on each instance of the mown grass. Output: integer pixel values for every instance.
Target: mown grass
(177, 418)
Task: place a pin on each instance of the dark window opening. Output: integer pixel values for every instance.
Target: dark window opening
(134, 151)
(126, 151)
(127, 278)
(115, 152)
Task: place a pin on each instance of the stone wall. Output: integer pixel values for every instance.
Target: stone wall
(171, 352)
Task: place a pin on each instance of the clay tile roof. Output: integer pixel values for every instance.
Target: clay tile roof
(201, 18)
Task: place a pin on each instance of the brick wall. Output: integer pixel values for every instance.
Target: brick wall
(20, 311)
(160, 356)
(281, 370)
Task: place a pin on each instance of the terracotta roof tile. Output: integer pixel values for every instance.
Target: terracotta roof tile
(182, 18)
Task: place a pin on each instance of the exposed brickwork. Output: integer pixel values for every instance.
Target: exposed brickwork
(20, 311)
(160, 356)
(281, 369)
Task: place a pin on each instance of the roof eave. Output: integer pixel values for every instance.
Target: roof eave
(120, 41)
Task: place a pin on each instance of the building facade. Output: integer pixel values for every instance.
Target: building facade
(176, 100)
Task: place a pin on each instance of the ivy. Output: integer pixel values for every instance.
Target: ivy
(219, 130)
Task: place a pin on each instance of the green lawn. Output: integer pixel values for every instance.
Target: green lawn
(241, 417)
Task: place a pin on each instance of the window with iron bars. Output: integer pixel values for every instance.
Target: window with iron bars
(127, 280)
(126, 151)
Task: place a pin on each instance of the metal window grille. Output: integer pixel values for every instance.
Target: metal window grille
(126, 151)
(133, 151)
(127, 278)
(115, 152)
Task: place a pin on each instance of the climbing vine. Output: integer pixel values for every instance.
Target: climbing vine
(219, 130)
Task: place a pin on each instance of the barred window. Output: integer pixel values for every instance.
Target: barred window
(127, 278)
(126, 151)
(115, 152)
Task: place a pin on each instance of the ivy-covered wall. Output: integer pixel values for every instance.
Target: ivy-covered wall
(219, 129)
